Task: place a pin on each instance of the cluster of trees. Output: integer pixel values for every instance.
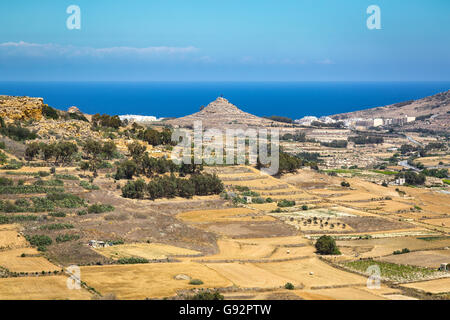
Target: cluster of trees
(280, 119)
(171, 186)
(363, 139)
(97, 150)
(289, 163)
(16, 131)
(142, 164)
(335, 144)
(154, 137)
(413, 178)
(338, 124)
(61, 151)
(438, 173)
(309, 156)
(298, 136)
(105, 120)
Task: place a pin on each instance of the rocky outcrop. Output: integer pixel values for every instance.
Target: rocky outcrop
(21, 108)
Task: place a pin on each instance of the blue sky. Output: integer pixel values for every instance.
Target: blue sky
(205, 40)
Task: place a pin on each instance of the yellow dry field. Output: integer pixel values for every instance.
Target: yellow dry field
(323, 274)
(434, 161)
(223, 215)
(12, 260)
(431, 286)
(351, 293)
(40, 288)
(9, 238)
(386, 246)
(148, 251)
(248, 275)
(155, 280)
(263, 206)
(252, 250)
(428, 200)
(445, 222)
(259, 184)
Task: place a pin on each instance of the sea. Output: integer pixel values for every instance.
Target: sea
(175, 99)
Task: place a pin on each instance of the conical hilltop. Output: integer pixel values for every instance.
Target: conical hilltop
(221, 113)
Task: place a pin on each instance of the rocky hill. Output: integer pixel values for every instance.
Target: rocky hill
(220, 114)
(430, 112)
(21, 108)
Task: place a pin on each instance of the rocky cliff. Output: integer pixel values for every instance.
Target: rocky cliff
(21, 108)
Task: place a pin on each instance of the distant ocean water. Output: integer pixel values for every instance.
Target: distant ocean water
(175, 99)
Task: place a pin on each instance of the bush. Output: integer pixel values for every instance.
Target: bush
(132, 260)
(196, 282)
(88, 186)
(100, 208)
(57, 214)
(207, 295)
(39, 240)
(285, 203)
(304, 207)
(49, 112)
(134, 189)
(404, 250)
(67, 237)
(57, 226)
(289, 286)
(326, 245)
(345, 184)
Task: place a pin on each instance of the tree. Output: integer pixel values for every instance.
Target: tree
(109, 148)
(136, 150)
(65, 150)
(326, 245)
(92, 148)
(32, 150)
(126, 170)
(134, 189)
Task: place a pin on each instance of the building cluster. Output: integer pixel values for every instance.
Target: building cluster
(138, 118)
(357, 122)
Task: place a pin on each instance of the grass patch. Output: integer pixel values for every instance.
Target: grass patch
(67, 237)
(389, 173)
(88, 186)
(57, 226)
(28, 189)
(66, 177)
(100, 208)
(392, 271)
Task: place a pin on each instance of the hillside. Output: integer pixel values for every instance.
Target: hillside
(221, 113)
(430, 112)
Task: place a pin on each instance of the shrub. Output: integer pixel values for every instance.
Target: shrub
(304, 207)
(132, 260)
(49, 112)
(285, 203)
(57, 214)
(326, 245)
(100, 208)
(39, 240)
(404, 250)
(345, 184)
(67, 237)
(134, 189)
(289, 286)
(207, 295)
(196, 282)
(88, 186)
(57, 226)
